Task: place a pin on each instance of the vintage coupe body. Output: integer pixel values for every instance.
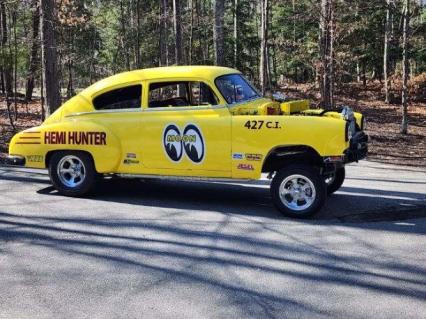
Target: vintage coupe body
(197, 122)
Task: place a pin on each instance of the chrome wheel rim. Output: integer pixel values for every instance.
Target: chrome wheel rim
(297, 192)
(71, 171)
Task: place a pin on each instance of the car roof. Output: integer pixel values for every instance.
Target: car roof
(198, 71)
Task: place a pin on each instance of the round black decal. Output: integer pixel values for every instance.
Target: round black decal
(172, 142)
(193, 143)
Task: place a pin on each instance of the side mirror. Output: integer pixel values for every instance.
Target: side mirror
(279, 97)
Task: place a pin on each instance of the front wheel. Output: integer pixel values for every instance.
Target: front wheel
(335, 181)
(298, 191)
(72, 173)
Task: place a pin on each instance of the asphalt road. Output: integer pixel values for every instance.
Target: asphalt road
(161, 249)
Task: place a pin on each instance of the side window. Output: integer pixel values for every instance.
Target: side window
(202, 94)
(168, 94)
(182, 93)
(123, 98)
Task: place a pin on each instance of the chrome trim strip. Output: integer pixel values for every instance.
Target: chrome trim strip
(184, 108)
(185, 178)
(156, 109)
(133, 110)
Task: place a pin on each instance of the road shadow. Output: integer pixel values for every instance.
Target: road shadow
(351, 204)
(252, 198)
(185, 252)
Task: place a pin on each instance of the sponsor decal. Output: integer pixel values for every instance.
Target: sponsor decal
(34, 158)
(128, 161)
(247, 167)
(254, 157)
(257, 125)
(76, 138)
(237, 156)
(190, 142)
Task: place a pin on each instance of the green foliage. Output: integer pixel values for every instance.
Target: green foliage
(97, 38)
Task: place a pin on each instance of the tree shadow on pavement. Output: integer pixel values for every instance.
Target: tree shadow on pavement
(253, 199)
(349, 204)
(183, 252)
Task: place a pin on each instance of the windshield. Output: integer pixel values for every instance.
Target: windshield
(235, 88)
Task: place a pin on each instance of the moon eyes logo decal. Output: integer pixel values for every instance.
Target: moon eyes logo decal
(191, 141)
(173, 143)
(194, 144)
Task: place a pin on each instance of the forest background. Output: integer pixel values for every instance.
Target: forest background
(368, 54)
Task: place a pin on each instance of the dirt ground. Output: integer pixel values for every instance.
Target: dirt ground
(387, 144)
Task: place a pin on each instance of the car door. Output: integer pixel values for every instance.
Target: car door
(185, 131)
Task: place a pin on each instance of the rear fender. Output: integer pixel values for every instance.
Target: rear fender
(90, 137)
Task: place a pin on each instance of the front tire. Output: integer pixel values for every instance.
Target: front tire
(335, 181)
(72, 173)
(298, 191)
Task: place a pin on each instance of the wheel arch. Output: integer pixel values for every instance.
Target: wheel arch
(283, 155)
(49, 155)
(105, 157)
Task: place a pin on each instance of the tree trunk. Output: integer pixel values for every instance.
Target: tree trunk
(163, 33)
(386, 49)
(331, 55)
(123, 41)
(219, 10)
(191, 30)
(92, 68)
(15, 65)
(326, 52)
(7, 63)
(364, 75)
(264, 7)
(358, 71)
(34, 58)
(293, 8)
(236, 34)
(49, 57)
(405, 66)
(70, 85)
(138, 31)
(42, 99)
(2, 85)
(70, 64)
(178, 32)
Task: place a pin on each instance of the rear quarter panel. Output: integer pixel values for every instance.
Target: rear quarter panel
(35, 144)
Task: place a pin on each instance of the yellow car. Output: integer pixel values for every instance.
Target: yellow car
(196, 122)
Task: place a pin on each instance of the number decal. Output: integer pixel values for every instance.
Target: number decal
(257, 125)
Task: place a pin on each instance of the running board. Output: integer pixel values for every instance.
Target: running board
(184, 178)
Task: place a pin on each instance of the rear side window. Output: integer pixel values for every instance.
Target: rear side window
(182, 93)
(128, 97)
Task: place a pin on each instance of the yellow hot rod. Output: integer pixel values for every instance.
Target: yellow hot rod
(197, 122)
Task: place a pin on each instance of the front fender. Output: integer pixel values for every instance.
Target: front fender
(37, 143)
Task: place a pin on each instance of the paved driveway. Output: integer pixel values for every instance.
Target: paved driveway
(158, 249)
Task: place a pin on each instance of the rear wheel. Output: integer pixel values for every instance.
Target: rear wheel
(298, 191)
(72, 173)
(335, 181)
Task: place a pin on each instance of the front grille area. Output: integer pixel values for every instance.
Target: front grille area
(358, 147)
